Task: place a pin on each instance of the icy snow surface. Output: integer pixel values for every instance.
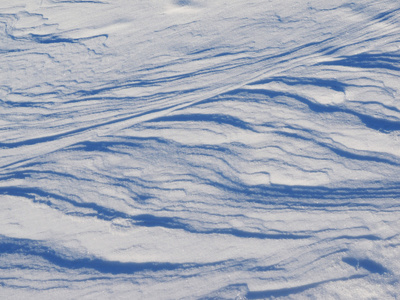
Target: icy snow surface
(199, 149)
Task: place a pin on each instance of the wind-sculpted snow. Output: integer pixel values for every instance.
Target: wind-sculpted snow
(199, 149)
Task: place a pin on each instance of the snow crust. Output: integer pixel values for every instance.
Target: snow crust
(198, 149)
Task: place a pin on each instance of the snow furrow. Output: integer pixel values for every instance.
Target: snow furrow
(199, 149)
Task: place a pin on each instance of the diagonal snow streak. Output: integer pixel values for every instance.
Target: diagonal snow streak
(199, 149)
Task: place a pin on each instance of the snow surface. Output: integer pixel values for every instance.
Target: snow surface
(198, 149)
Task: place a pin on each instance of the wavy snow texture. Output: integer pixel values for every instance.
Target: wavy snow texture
(199, 149)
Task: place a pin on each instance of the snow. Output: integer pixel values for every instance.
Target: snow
(199, 149)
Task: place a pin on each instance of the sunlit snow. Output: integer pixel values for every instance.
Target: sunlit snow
(198, 149)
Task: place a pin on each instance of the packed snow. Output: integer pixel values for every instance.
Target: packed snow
(198, 149)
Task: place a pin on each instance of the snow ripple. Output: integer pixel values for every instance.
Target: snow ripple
(199, 149)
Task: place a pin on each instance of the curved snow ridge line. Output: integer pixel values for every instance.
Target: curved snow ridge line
(123, 122)
(69, 138)
(307, 135)
(38, 249)
(369, 237)
(288, 195)
(220, 119)
(329, 86)
(53, 38)
(145, 220)
(340, 150)
(284, 292)
(67, 259)
(231, 184)
(388, 61)
(345, 152)
(332, 84)
(293, 199)
(48, 285)
(143, 189)
(62, 39)
(378, 124)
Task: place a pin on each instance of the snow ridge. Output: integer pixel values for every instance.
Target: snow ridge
(199, 149)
